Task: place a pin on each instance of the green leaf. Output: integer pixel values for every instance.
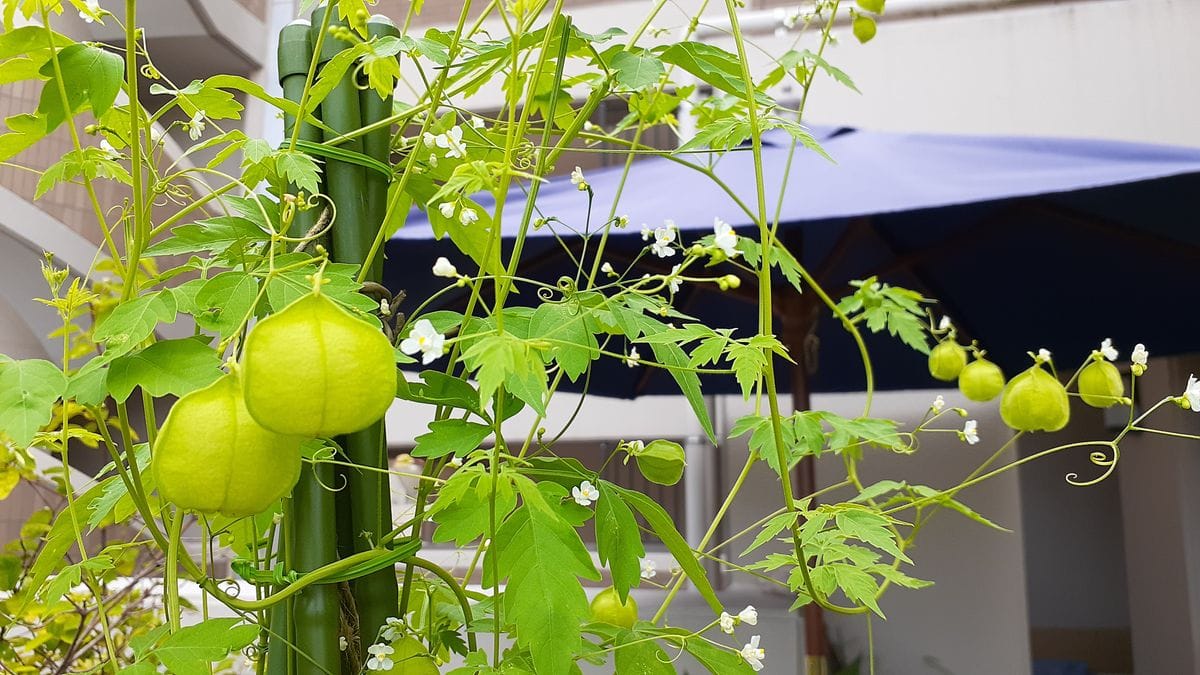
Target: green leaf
(168, 367)
(225, 302)
(949, 502)
(661, 523)
(29, 38)
(24, 131)
(72, 575)
(28, 391)
(711, 64)
(636, 70)
(88, 386)
(636, 655)
(859, 522)
(618, 541)
(441, 389)
(542, 557)
(134, 321)
(90, 75)
(676, 360)
(566, 327)
(299, 169)
(452, 436)
(114, 504)
(341, 286)
(507, 360)
(858, 585)
(772, 529)
(463, 503)
(213, 235)
(57, 542)
(194, 648)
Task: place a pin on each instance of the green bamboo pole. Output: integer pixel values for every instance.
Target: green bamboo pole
(377, 143)
(366, 497)
(315, 612)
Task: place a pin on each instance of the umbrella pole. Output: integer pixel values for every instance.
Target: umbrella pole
(804, 481)
(797, 322)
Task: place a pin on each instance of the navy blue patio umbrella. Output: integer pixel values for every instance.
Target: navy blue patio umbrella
(1026, 242)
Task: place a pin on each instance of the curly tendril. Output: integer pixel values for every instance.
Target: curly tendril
(1098, 458)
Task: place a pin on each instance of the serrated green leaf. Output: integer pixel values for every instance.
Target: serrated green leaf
(462, 508)
(213, 235)
(711, 64)
(664, 528)
(858, 585)
(193, 649)
(636, 70)
(618, 541)
(452, 436)
(543, 558)
(167, 367)
(566, 327)
(772, 529)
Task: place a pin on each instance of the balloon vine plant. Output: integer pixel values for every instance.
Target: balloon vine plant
(275, 449)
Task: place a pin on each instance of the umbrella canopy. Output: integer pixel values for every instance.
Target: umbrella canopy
(1026, 242)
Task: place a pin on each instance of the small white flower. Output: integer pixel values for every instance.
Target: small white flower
(1191, 395)
(384, 309)
(451, 142)
(578, 180)
(749, 615)
(649, 569)
(585, 493)
(90, 11)
(343, 645)
(425, 339)
(674, 282)
(379, 657)
(1139, 354)
(969, 432)
(456, 461)
(1108, 350)
(1043, 355)
(634, 358)
(468, 216)
(646, 232)
(429, 140)
(753, 654)
(196, 125)
(725, 238)
(1138, 358)
(938, 404)
(444, 268)
(607, 268)
(447, 209)
(727, 621)
(622, 222)
(109, 150)
(635, 447)
(478, 122)
(663, 238)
